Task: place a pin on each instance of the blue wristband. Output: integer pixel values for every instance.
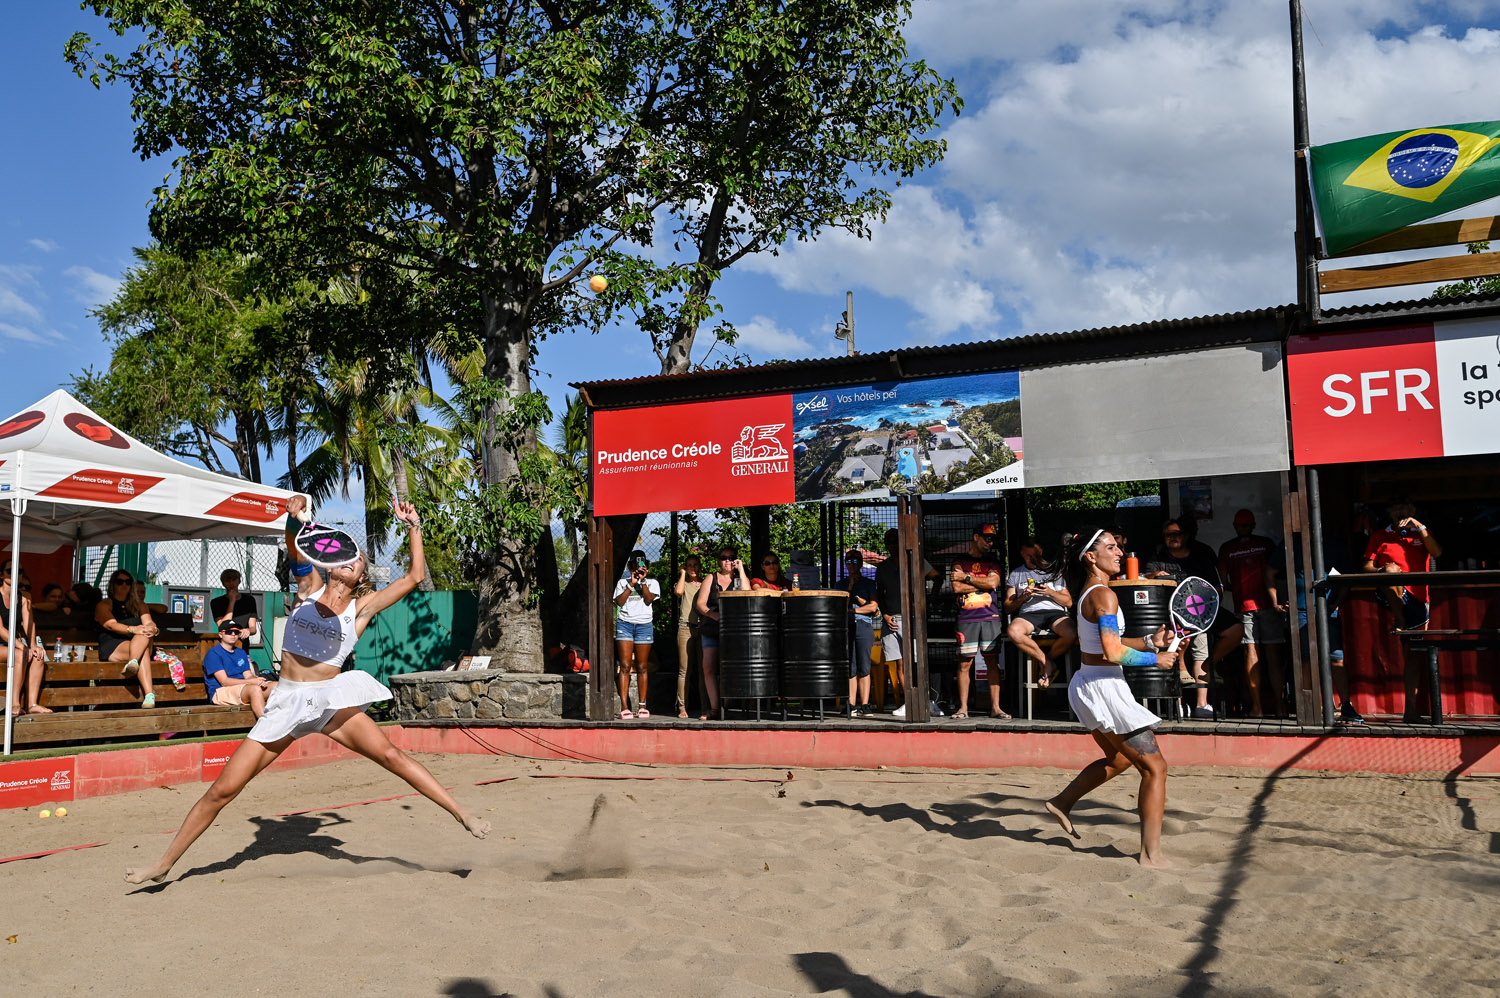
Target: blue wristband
(301, 569)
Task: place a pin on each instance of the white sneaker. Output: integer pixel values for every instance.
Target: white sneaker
(933, 709)
(899, 711)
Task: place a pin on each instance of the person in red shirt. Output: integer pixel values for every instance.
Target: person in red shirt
(1246, 564)
(1405, 545)
(976, 582)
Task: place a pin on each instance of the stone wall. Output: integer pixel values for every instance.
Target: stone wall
(489, 694)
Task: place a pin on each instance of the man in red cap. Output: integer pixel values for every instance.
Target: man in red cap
(1405, 545)
(976, 581)
(1246, 564)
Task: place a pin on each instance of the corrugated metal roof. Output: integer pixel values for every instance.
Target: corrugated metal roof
(1464, 306)
(1012, 353)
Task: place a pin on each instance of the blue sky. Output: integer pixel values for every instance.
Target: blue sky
(1114, 163)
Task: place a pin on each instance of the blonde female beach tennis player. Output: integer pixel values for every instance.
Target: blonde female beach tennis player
(314, 696)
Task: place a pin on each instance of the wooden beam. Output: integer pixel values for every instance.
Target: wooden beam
(1386, 275)
(1454, 232)
(913, 609)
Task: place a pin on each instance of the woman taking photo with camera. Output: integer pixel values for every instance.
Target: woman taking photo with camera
(634, 595)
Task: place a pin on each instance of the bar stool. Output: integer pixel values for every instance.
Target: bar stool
(1045, 639)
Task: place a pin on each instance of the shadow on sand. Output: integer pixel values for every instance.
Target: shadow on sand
(294, 835)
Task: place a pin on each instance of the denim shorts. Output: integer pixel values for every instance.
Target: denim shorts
(638, 633)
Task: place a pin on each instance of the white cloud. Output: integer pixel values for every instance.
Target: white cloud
(45, 245)
(11, 332)
(1136, 163)
(761, 335)
(92, 287)
(18, 285)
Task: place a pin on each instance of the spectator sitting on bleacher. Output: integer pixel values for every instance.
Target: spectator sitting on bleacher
(229, 677)
(235, 605)
(125, 633)
(54, 597)
(31, 659)
(140, 594)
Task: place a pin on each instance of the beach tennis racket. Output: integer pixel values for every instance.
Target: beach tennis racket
(1194, 605)
(325, 546)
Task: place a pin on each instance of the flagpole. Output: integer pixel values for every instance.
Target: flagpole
(1306, 238)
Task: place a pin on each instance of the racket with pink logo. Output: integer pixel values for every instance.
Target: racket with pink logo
(325, 546)
(1194, 605)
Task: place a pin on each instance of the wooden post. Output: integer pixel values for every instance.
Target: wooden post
(760, 536)
(1306, 236)
(913, 609)
(1294, 521)
(601, 559)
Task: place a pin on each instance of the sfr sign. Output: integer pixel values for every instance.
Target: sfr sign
(1402, 392)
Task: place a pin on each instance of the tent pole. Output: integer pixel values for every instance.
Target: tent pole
(17, 509)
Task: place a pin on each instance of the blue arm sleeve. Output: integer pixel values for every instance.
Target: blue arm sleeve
(1130, 656)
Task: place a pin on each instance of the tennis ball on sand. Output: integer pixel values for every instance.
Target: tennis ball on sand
(597, 283)
(44, 814)
(62, 812)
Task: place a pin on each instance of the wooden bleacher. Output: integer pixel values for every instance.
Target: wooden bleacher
(91, 702)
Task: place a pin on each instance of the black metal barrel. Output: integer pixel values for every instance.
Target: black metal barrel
(815, 643)
(1147, 606)
(749, 643)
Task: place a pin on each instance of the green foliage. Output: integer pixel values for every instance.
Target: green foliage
(1472, 285)
(1096, 495)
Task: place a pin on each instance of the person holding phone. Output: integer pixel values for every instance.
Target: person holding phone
(1405, 545)
(1037, 599)
(730, 577)
(634, 635)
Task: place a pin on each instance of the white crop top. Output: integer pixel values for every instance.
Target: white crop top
(327, 640)
(1089, 642)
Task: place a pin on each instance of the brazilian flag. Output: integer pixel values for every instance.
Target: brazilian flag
(1367, 187)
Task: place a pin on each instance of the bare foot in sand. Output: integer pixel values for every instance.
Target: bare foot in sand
(155, 875)
(1062, 818)
(477, 827)
(1157, 862)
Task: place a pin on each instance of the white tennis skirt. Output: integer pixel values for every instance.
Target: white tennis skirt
(1101, 699)
(299, 709)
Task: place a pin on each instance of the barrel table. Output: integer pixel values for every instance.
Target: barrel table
(1147, 606)
(814, 646)
(749, 646)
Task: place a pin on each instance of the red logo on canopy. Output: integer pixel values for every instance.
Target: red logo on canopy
(249, 506)
(94, 485)
(21, 423)
(92, 429)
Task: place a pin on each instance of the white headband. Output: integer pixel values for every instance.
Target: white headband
(1085, 549)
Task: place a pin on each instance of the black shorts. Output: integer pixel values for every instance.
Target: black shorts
(1040, 620)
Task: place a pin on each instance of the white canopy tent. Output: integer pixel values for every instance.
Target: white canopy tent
(78, 480)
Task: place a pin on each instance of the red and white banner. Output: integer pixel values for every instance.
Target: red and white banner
(699, 455)
(37, 781)
(215, 758)
(1425, 390)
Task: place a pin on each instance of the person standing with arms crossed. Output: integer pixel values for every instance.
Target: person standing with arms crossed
(976, 581)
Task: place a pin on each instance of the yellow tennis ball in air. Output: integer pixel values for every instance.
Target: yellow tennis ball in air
(62, 812)
(44, 814)
(597, 283)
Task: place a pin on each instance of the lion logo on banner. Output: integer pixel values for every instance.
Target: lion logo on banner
(758, 443)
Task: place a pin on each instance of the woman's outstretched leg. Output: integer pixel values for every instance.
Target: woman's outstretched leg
(1141, 749)
(353, 729)
(1089, 779)
(246, 763)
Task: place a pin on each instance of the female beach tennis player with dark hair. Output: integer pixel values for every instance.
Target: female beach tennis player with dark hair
(313, 695)
(1098, 693)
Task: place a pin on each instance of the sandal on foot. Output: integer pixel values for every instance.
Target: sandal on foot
(148, 701)
(642, 714)
(130, 668)
(1000, 715)
(626, 715)
(962, 715)
(1050, 676)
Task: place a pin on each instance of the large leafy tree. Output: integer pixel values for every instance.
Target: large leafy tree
(498, 152)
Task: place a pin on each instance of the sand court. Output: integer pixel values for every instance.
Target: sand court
(749, 883)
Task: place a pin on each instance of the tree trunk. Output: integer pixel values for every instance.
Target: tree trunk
(293, 431)
(679, 356)
(510, 620)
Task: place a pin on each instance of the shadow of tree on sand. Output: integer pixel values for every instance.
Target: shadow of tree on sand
(292, 836)
(968, 821)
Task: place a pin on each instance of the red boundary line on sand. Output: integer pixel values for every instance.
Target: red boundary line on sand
(100, 774)
(51, 852)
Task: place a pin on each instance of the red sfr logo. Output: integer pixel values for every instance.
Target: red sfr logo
(1410, 385)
